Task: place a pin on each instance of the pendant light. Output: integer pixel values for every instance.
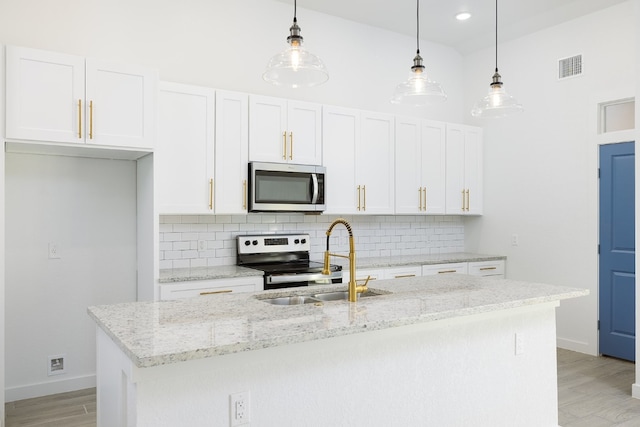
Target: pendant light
(295, 67)
(418, 90)
(498, 103)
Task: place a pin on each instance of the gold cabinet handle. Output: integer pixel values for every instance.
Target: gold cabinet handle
(359, 197)
(226, 291)
(420, 197)
(487, 268)
(290, 145)
(364, 197)
(211, 194)
(90, 119)
(446, 271)
(284, 145)
(425, 198)
(463, 201)
(401, 276)
(244, 194)
(468, 205)
(80, 118)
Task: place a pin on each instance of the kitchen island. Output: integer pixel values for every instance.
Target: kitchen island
(454, 350)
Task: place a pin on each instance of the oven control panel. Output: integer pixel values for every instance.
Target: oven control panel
(268, 243)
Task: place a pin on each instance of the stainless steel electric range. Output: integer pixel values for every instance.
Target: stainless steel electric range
(284, 258)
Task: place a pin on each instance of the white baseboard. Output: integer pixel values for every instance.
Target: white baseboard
(50, 387)
(635, 391)
(580, 347)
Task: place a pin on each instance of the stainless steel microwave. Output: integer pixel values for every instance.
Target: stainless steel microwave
(286, 187)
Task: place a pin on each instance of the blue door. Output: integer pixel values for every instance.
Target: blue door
(617, 251)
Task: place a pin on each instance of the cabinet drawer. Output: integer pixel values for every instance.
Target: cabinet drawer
(400, 272)
(433, 269)
(197, 288)
(487, 268)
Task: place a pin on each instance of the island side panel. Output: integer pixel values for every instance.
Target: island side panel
(461, 371)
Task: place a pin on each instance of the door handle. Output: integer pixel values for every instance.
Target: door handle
(290, 145)
(284, 145)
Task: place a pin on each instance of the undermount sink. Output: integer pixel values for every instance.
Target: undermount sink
(293, 300)
(321, 297)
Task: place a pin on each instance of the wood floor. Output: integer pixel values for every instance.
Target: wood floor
(592, 392)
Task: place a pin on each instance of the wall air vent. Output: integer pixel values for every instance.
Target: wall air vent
(570, 67)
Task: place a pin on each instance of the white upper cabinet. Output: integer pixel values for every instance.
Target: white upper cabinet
(464, 170)
(55, 97)
(341, 133)
(232, 152)
(358, 155)
(375, 163)
(281, 131)
(184, 156)
(420, 166)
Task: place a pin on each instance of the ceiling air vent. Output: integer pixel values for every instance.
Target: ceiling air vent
(570, 67)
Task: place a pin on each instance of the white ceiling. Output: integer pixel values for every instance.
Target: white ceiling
(437, 17)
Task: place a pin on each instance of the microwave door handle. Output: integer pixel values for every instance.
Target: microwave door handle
(314, 180)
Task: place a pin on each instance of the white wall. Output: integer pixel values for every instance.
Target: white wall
(2, 245)
(88, 208)
(541, 167)
(227, 43)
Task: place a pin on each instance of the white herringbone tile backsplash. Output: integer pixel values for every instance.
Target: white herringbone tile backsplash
(210, 240)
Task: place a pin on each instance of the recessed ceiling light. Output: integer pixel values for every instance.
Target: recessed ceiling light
(463, 16)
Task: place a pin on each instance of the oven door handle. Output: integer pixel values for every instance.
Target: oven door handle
(314, 181)
(307, 277)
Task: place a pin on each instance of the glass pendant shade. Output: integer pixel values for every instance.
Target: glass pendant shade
(295, 67)
(498, 103)
(418, 90)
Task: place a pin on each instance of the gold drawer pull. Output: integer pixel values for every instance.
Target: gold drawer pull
(226, 291)
(401, 276)
(487, 268)
(80, 118)
(446, 271)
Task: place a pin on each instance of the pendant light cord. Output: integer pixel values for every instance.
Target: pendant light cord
(418, 26)
(295, 10)
(496, 36)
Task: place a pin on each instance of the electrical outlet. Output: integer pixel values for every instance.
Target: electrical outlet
(202, 245)
(240, 409)
(56, 365)
(54, 251)
(519, 344)
(515, 240)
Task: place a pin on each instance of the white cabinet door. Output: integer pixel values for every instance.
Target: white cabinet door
(341, 133)
(55, 97)
(433, 269)
(184, 154)
(284, 131)
(232, 152)
(268, 138)
(409, 188)
(304, 126)
(44, 96)
(375, 164)
(420, 166)
(464, 170)
(119, 104)
(433, 160)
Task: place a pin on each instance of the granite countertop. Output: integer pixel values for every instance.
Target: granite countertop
(164, 332)
(172, 275)
(228, 271)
